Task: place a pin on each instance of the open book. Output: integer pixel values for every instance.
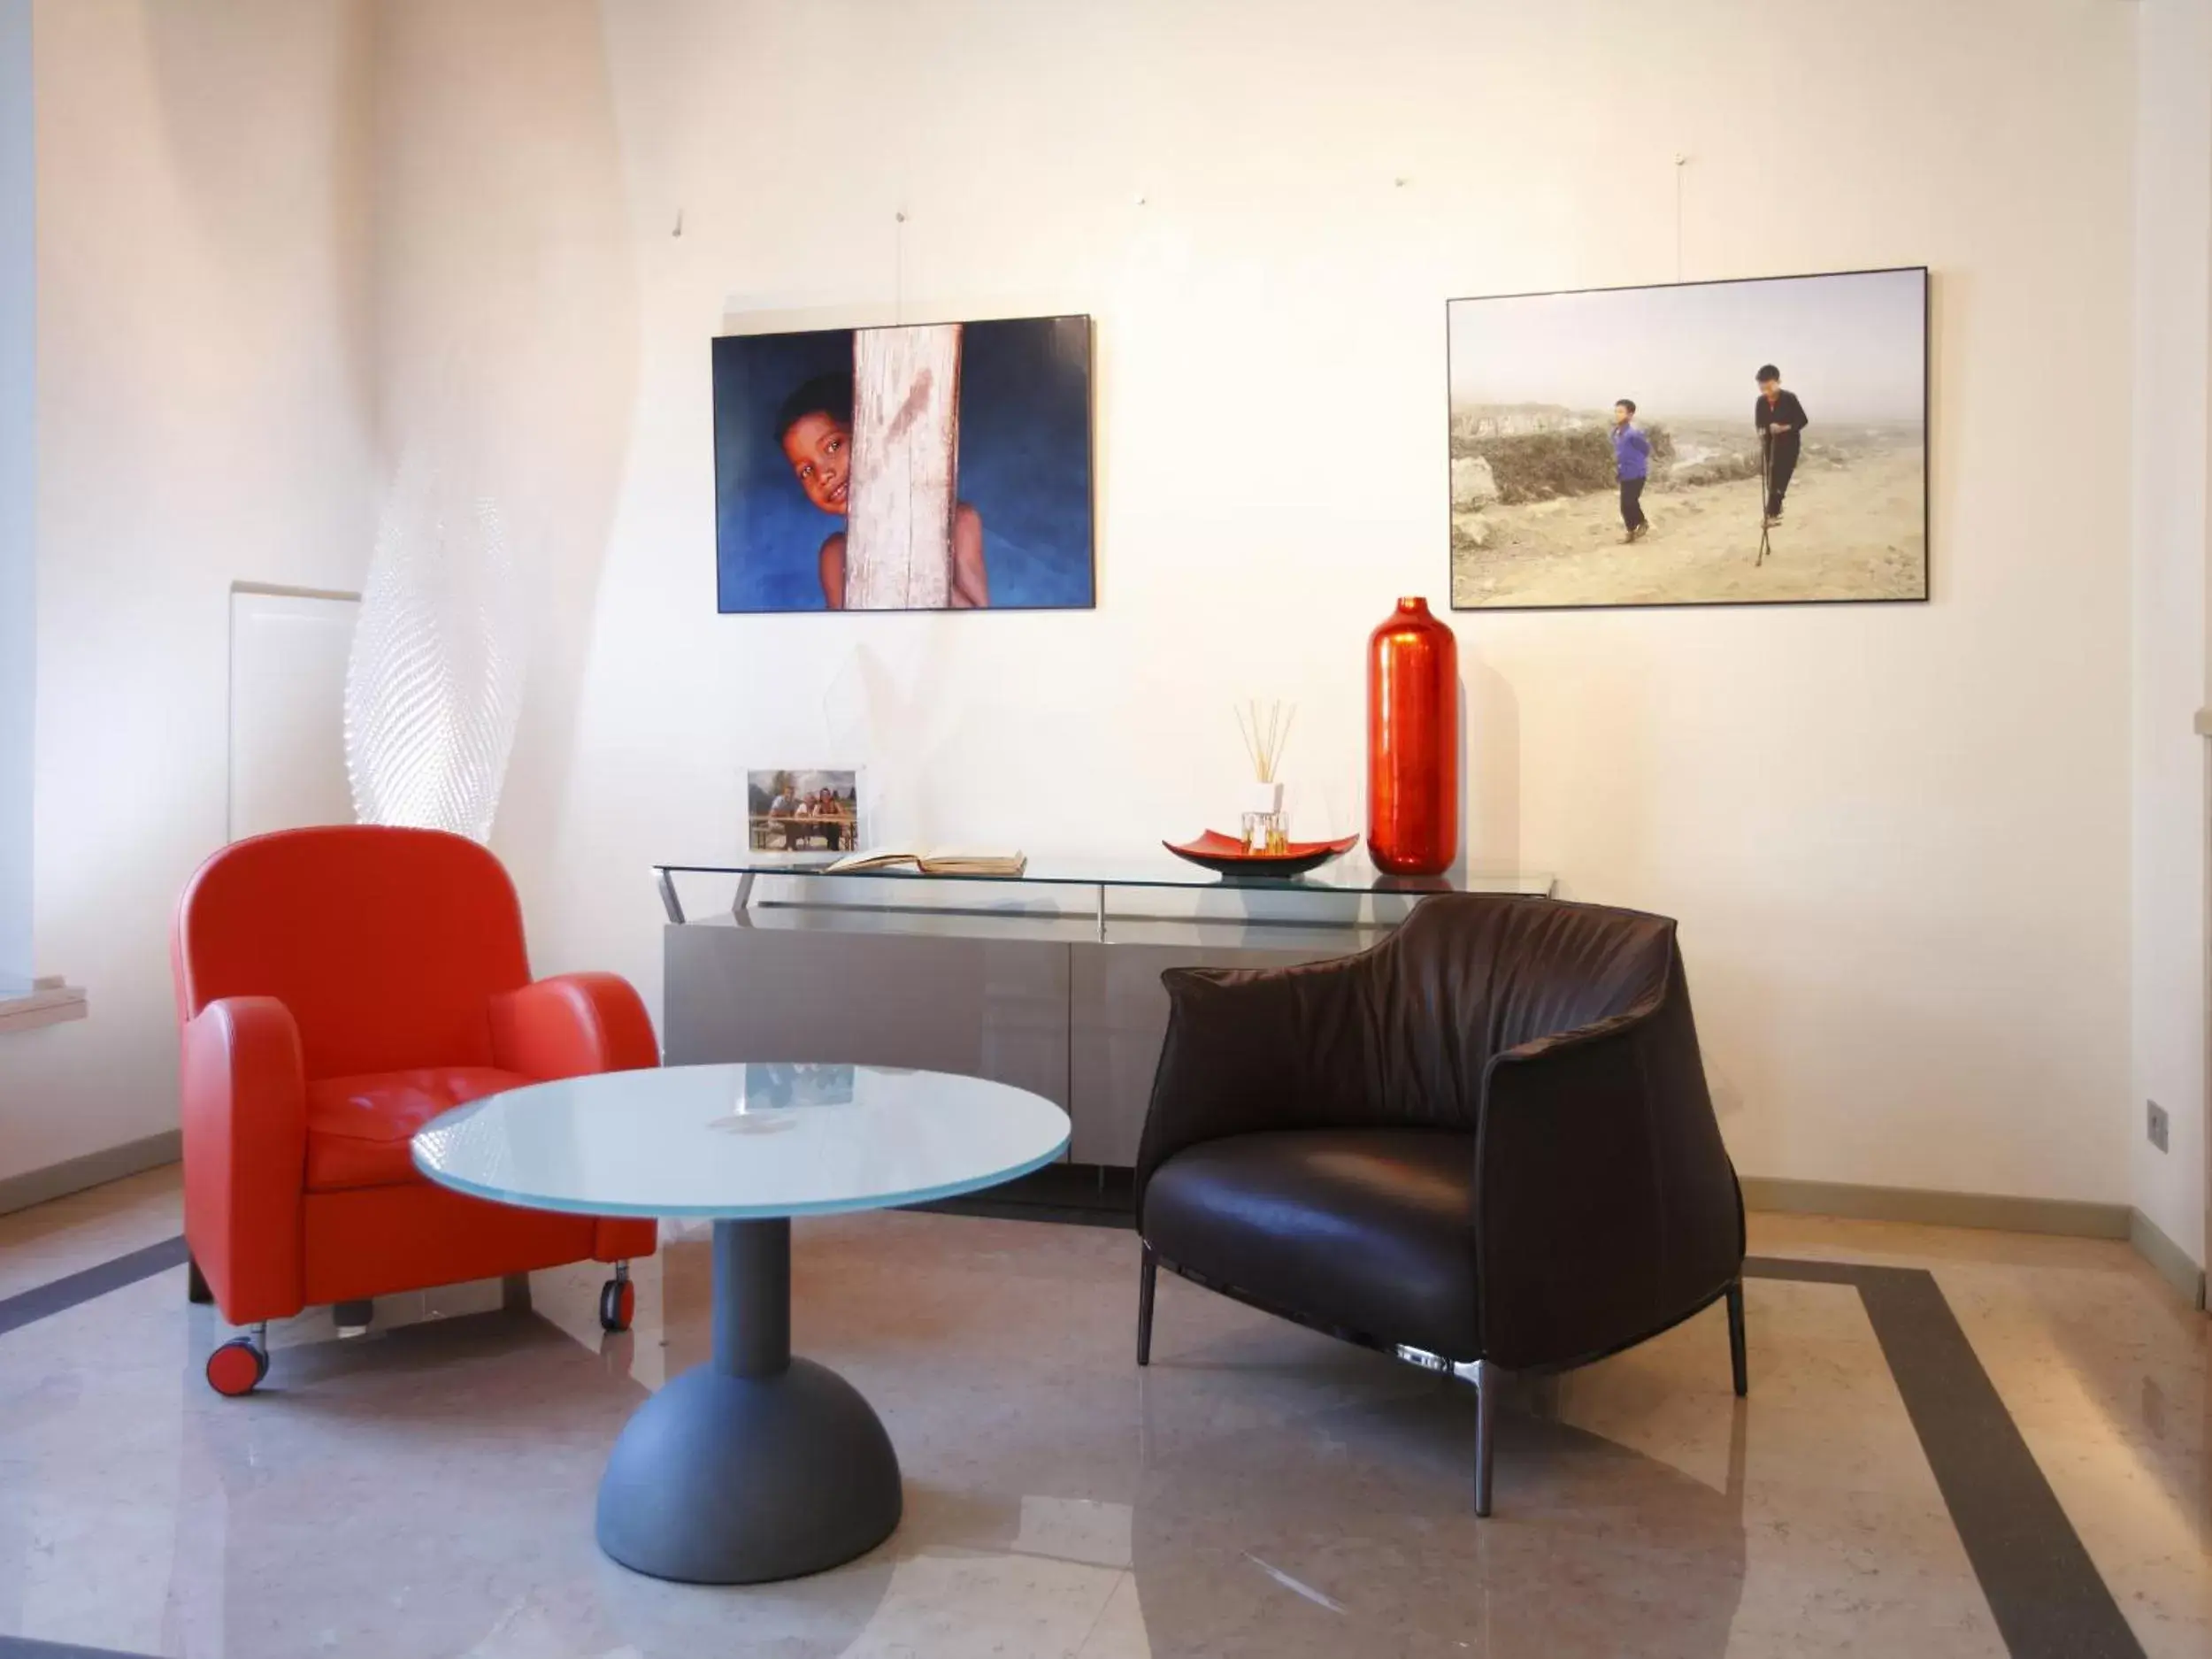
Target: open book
(934, 861)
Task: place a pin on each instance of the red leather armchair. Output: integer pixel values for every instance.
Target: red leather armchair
(336, 989)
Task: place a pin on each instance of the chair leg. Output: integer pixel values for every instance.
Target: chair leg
(1148, 1274)
(196, 1290)
(1735, 1339)
(1486, 1405)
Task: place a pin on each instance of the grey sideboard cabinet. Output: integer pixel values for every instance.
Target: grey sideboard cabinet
(1050, 982)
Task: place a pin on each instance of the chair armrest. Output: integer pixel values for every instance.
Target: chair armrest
(575, 1024)
(242, 1108)
(1253, 1049)
(1606, 1207)
(571, 1026)
(625, 1241)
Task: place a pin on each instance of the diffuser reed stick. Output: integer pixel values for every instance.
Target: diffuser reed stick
(1265, 734)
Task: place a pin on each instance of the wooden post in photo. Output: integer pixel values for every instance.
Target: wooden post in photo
(906, 439)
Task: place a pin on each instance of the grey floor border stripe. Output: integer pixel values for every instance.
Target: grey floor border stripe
(24, 1647)
(2047, 1595)
(44, 1301)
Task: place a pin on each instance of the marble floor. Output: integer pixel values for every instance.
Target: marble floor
(427, 1489)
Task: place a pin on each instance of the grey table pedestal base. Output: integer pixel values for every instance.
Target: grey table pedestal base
(757, 1466)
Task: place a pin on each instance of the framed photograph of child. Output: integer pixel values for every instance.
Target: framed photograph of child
(936, 467)
(794, 811)
(1695, 444)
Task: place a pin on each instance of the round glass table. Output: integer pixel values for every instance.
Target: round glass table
(757, 1465)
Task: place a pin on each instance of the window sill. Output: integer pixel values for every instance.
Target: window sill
(26, 1004)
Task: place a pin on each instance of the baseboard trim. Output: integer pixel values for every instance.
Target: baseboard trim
(2003, 1212)
(2168, 1259)
(94, 1169)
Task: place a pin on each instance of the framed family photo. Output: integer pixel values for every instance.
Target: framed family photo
(940, 466)
(793, 810)
(1740, 442)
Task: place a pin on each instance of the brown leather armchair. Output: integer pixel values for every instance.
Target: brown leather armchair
(1485, 1145)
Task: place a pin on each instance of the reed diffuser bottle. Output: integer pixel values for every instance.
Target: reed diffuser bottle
(1266, 732)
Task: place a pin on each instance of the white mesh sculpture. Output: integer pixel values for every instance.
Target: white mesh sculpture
(434, 685)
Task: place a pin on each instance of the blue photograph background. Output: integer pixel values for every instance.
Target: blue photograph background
(1025, 463)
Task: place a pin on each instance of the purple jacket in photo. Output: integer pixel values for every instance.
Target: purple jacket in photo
(1632, 452)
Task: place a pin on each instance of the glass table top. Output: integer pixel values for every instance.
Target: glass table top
(740, 1142)
(1353, 873)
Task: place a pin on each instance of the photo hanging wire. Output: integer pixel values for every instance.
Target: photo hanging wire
(898, 268)
(1680, 162)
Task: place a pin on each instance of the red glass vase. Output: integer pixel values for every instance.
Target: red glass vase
(1412, 743)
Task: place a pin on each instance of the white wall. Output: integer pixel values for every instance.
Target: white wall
(1898, 838)
(19, 463)
(203, 411)
(2173, 334)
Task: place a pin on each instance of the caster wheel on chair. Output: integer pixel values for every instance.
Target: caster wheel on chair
(617, 1304)
(237, 1367)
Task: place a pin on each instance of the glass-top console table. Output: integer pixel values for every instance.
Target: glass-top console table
(1351, 875)
(1049, 980)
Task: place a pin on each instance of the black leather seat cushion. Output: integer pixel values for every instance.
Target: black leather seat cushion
(1368, 1230)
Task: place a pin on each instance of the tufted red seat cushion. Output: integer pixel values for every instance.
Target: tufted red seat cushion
(359, 1127)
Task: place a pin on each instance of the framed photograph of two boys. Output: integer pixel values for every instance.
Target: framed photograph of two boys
(940, 466)
(1698, 443)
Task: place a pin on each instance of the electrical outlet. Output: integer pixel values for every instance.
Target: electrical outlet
(2156, 1126)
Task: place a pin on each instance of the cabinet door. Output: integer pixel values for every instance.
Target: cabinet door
(1117, 1016)
(287, 710)
(991, 1007)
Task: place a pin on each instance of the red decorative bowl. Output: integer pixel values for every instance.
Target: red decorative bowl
(1225, 854)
